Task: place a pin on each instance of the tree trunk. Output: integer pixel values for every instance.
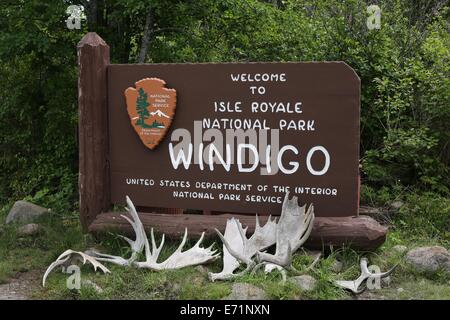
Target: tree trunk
(146, 37)
(91, 10)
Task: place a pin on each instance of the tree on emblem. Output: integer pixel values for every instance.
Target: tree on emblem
(141, 108)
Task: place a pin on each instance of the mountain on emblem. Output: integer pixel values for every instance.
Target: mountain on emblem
(151, 107)
(159, 113)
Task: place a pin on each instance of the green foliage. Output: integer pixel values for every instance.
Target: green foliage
(404, 69)
(38, 117)
(424, 216)
(405, 111)
(428, 215)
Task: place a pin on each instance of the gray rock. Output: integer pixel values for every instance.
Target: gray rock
(429, 259)
(24, 212)
(201, 269)
(305, 282)
(176, 287)
(92, 284)
(386, 281)
(337, 266)
(399, 249)
(246, 291)
(397, 204)
(30, 229)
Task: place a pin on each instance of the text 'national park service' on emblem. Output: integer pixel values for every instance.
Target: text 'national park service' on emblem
(151, 107)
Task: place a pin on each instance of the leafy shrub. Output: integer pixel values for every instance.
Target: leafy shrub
(404, 69)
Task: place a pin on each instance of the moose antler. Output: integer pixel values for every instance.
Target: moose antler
(292, 231)
(179, 259)
(136, 246)
(289, 234)
(238, 248)
(235, 241)
(358, 286)
(66, 255)
(193, 256)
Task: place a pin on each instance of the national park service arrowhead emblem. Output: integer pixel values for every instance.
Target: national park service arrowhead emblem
(151, 107)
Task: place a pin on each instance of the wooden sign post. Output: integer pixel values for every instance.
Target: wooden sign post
(195, 144)
(94, 185)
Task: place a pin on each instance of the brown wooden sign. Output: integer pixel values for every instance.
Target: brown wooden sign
(268, 127)
(243, 134)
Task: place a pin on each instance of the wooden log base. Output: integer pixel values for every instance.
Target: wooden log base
(360, 233)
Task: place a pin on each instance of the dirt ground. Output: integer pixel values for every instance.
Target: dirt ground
(20, 286)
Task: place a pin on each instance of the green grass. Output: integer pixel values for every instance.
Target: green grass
(421, 289)
(61, 232)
